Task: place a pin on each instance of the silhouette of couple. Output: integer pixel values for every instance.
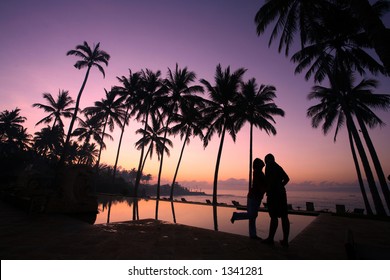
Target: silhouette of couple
(272, 183)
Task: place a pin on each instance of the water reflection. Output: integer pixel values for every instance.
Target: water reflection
(120, 209)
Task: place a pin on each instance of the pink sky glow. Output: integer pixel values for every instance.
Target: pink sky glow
(36, 35)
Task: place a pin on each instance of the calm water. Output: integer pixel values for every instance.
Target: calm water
(202, 216)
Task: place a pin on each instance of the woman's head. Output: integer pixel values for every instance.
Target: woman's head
(258, 164)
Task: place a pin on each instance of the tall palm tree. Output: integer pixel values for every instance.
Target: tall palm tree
(152, 87)
(220, 112)
(364, 100)
(359, 175)
(178, 84)
(338, 106)
(293, 16)
(129, 91)
(151, 136)
(256, 106)
(56, 108)
(88, 58)
(188, 123)
(110, 111)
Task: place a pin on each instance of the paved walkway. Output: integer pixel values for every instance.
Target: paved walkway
(40, 236)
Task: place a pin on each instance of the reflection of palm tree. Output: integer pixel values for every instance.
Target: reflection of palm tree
(220, 112)
(189, 123)
(109, 110)
(89, 58)
(294, 16)
(56, 108)
(256, 106)
(338, 106)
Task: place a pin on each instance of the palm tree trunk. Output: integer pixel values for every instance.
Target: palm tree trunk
(376, 162)
(250, 155)
(178, 164)
(217, 166)
(101, 144)
(120, 144)
(376, 30)
(380, 210)
(162, 156)
(76, 109)
(359, 175)
(139, 171)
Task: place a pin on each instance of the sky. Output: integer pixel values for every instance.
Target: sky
(154, 34)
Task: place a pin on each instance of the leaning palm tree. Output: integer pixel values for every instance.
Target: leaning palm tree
(152, 137)
(152, 87)
(56, 108)
(364, 101)
(88, 58)
(337, 106)
(189, 123)
(181, 92)
(256, 106)
(220, 112)
(297, 16)
(129, 91)
(110, 111)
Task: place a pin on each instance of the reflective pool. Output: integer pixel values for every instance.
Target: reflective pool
(205, 216)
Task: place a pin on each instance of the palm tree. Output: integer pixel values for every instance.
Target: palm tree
(152, 136)
(359, 175)
(152, 88)
(335, 38)
(364, 99)
(90, 128)
(87, 154)
(338, 106)
(49, 142)
(129, 91)
(220, 112)
(294, 16)
(89, 58)
(110, 111)
(56, 108)
(189, 123)
(257, 107)
(180, 93)
(10, 123)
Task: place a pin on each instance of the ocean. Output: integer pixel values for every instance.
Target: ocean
(323, 200)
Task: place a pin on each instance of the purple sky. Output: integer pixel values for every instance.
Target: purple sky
(35, 36)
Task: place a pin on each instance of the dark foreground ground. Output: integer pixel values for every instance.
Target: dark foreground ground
(41, 236)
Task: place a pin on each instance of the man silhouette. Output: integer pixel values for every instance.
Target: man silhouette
(276, 179)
